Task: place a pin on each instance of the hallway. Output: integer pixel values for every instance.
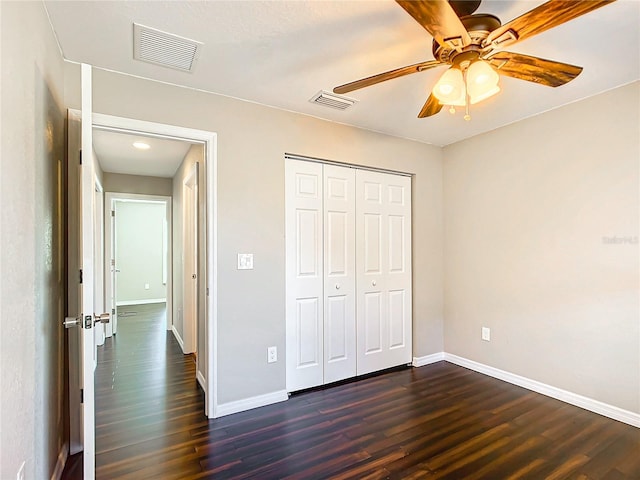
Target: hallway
(147, 399)
(147, 396)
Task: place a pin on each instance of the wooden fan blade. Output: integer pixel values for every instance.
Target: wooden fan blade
(541, 18)
(381, 77)
(431, 107)
(534, 69)
(438, 18)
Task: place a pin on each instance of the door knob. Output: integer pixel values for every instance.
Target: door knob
(337, 286)
(193, 276)
(101, 318)
(71, 322)
(373, 283)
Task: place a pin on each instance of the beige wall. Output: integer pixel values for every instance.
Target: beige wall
(140, 253)
(138, 184)
(252, 141)
(527, 212)
(32, 410)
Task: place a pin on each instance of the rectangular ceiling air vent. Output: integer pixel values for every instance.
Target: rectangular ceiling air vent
(166, 49)
(332, 100)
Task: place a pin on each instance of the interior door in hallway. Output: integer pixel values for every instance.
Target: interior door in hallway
(383, 263)
(190, 260)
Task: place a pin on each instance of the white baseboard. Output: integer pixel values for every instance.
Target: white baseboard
(140, 302)
(178, 337)
(201, 380)
(62, 461)
(249, 403)
(428, 359)
(590, 404)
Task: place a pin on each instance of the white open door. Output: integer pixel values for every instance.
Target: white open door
(81, 278)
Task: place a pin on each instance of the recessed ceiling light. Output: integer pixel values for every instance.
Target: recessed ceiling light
(141, 145)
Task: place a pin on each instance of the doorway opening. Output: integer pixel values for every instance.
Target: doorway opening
(189, 244)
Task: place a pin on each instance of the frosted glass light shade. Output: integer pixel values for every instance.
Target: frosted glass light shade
(482, 81)
(450, 88)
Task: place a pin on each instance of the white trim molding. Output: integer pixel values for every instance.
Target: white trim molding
(596, 406)
(590, 404)
(252, 402)
(427, 359)
(140, 302)
(178, 337)
(201, 380)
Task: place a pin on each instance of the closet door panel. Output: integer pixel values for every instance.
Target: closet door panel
(383, 264)
(398, 273)
(339, 274)
(304, 276)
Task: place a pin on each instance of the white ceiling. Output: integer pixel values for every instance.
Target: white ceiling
(117, 154)
(280, 53)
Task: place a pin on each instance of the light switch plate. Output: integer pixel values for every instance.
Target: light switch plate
(245, 261)
(486, 334)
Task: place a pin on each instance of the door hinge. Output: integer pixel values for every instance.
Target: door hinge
(113, 311)
(80, 157)
(82, 395)
(80, 275)
(113, 213)
(207, 291)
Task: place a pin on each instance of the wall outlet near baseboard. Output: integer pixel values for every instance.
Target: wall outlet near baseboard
(486, 334)
(146, 286)
(272, 354)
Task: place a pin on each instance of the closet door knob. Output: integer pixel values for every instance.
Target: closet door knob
(337, 286)
(373, 283)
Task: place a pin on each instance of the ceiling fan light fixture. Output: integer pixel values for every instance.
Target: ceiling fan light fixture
(450, 88)
(482, 81)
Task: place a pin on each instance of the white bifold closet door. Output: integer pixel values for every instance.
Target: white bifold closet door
(339, 273)
(383, 235)
(320, 251)
(348, 273)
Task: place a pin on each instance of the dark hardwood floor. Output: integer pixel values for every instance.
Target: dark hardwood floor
(435, 422)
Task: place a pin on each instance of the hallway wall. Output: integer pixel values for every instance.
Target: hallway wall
(139, 184)
(140, 251)
(32, 166)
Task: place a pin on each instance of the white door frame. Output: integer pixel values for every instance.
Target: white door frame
(209, 140)
(110, 200)
(99, 261)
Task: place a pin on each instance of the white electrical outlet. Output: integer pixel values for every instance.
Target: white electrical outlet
(272, 354)
(486, 334)
(146, 286)
(20, 475)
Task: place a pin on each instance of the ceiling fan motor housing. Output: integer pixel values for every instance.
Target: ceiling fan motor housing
(479, 27)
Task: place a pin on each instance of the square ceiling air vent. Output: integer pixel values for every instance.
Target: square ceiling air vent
(166, 49)
(332, 100)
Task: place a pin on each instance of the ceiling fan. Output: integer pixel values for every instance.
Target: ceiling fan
(472, 45)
